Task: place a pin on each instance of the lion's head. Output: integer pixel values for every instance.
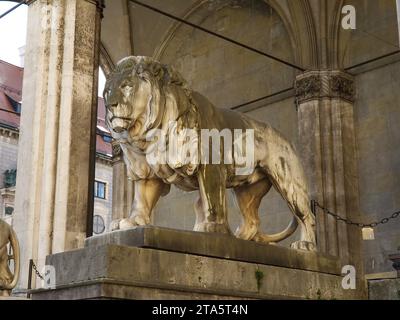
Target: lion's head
(135, 94)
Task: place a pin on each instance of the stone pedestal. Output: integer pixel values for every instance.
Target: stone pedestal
(384, 289)
(159, 263)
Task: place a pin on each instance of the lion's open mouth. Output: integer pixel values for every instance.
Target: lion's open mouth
(120, 124)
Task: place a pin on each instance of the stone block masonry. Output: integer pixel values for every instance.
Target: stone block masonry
(191, 265)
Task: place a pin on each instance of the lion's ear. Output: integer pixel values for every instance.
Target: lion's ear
(157, 71)
(153, 70)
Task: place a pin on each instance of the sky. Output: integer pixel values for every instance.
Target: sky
(13, 36)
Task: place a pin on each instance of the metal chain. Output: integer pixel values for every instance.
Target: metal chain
(357, 224)
(36, 271)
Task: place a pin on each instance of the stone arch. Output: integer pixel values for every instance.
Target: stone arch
(299, 21)
(190, 51)
(334, 60)
(296, 16)
(158, 52)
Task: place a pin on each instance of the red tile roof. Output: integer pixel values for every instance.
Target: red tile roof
(11, 78)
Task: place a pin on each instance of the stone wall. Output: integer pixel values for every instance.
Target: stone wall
(376, 32)
(377, 116)
(227, 74)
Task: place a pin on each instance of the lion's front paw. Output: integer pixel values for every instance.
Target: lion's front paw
(303, 245)
(129, 223)
(5, 293)
(115, 225)
(213, 227)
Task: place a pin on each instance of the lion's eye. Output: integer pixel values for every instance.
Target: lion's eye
(125, 86)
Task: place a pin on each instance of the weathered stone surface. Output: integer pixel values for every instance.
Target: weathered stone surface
(377, 115)
(328, 147)
(57, 139)
(217, 245)
(121, 272)
(159, 263)
(385, 289)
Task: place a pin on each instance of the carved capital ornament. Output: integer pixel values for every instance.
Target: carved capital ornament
(313, 85)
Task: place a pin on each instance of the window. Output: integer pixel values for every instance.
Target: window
(8, 211)
(107, 138)
(10, 178)
(15, 104)
(99, 189)
(98, 225)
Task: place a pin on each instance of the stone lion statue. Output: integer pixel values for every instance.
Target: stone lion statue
(8, 281)
(143, 96)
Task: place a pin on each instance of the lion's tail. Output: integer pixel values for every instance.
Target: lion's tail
(277, 237)
(16, 252)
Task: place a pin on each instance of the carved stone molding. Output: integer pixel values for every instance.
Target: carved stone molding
(9, 132)
(235, 4)
(324, 84)
(100, 4)
(116, 151)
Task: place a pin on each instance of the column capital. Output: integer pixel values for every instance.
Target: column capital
(100, 4)
(328, 84)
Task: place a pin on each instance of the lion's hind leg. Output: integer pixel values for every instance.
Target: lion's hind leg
(298, 202)
(306, 219)
(284, 169)
(200, 214)
(249, 199)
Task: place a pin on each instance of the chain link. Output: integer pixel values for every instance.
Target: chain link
(36, 271)
(357, 224)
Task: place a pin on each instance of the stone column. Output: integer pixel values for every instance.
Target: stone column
(398, 16)
(325, 113)
(57, 140)
(122, 187)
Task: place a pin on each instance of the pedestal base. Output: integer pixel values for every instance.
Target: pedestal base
(158, 263)
(384, 289)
